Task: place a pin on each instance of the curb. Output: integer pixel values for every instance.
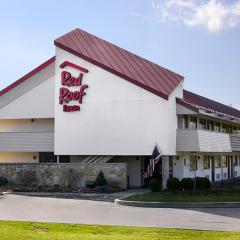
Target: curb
(177, 204)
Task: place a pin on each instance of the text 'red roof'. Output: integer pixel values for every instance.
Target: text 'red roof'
(120, 62)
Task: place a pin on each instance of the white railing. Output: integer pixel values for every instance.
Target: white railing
(27, 141)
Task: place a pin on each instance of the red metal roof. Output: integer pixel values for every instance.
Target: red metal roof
(27, 76)
(200, 102)
(120, 62)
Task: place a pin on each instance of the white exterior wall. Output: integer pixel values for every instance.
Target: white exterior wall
(178, 165)
(183, 171)
(19, 157)
(116, 117)
(36, 103)
(27, 125)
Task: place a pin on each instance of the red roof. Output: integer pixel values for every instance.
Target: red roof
(120, 62)
(198, 102)
(27, 76)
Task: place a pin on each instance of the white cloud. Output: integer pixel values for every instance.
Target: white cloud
(215, 15)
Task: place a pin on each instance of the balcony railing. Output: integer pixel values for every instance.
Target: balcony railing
(194, 140)
(27, 141)
(235, 142)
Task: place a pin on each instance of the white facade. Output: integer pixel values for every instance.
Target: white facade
(116, 117)
(33, 98)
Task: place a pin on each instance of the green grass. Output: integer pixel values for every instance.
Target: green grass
(221, 196)
(45, 231)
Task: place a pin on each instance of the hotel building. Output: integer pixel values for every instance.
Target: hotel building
(96, 103)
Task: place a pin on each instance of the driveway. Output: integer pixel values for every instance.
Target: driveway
(46, 209)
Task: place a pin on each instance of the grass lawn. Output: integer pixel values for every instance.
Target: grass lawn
(221, 196)
(45, 231)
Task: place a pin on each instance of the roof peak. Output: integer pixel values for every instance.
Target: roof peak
(120, 62)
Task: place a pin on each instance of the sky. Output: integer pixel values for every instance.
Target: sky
(199, 39)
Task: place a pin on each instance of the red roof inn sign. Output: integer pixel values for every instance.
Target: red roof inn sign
(66, 96)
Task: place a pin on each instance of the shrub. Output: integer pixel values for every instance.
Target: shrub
(101, 180)
(173, 184)
(202, 183)
(3, 181)
(56, 188)
(187, 184)
(155, 185)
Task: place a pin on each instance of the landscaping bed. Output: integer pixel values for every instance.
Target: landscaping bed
(211, 196)
(45, 231)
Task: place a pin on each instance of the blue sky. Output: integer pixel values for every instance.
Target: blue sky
(198, 39)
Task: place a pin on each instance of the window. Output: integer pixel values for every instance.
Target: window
(224, 161)
(185, 120)
(236, 161)
(206, 162)
(64, 159)
(203, 124)
(47, 157)
(193, 163)
(217, 162)
(217, 127)
(227, 128)
(235, 129)
(210, 125)
(224, 128)
(193, 122)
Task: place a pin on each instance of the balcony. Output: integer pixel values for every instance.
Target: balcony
(195, 140)
(235, 142)
(26, 141)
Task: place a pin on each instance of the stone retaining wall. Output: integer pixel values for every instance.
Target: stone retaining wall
(53, 173)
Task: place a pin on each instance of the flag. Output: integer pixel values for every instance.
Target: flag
(156, 156)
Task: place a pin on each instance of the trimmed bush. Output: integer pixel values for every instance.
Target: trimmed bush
(155, 185)
(101, 180)
(3, 181)
(202, 183)
(173, 184)
(187, 184)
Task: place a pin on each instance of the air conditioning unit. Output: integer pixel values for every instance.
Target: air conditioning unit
(218, 176)
(236, 132)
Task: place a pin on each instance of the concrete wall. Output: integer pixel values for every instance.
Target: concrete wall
(133, 169)
(116, 117)
(50, 174)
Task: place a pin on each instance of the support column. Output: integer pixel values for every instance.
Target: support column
(57, 158)
(165, 171)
